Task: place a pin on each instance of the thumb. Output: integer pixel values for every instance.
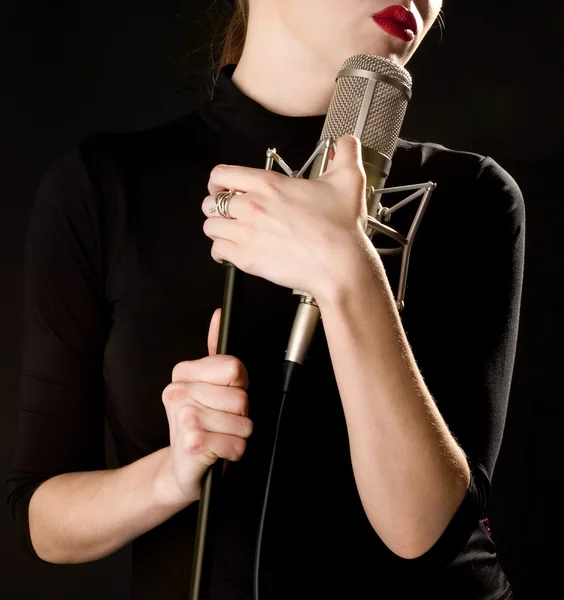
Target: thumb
(348, 152)
(213, 338)
(213, 333)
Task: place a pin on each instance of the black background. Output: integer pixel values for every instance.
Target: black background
(489, 84)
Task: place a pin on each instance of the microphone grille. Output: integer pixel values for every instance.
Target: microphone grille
(384, 119)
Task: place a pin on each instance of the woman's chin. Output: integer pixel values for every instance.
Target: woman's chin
(393, 49)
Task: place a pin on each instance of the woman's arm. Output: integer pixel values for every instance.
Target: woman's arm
(85, 516)
(410, 472)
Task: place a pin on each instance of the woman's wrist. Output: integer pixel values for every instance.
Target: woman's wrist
(352, 263)
(167, 492)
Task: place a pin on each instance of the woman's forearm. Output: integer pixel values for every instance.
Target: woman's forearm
(84, 516)
(410, 472)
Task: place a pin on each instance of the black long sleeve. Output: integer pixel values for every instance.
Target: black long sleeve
(65, 318)
(120, 287)
(474, 325)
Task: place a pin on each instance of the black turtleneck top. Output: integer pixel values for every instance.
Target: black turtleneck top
(120, 286)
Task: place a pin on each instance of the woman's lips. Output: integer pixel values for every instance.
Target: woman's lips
(397, 21)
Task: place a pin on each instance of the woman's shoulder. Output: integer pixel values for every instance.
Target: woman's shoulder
(106, 158)
(148, 143)
(100, 163)
(464, 174)
(451, 164)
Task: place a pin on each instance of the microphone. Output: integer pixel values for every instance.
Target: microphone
(369, 101)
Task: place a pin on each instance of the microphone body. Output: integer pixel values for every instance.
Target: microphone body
(369, 101)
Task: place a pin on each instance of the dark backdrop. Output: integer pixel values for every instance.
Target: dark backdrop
(489, 84)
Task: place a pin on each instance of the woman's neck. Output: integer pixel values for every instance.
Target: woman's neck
(279, 73)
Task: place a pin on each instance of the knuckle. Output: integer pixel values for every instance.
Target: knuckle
(177, 371)
(240, 401)
(251, 206)
(239, 447)
(269, 181)
(234, 367)
(214, 254)
(191, 418)
(215, 171)
(171, 393)
(194, 441)
(165, 395)
(247, 427)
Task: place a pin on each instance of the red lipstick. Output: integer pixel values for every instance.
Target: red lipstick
(397, 21)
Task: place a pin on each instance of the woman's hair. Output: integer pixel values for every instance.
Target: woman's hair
(232, 36)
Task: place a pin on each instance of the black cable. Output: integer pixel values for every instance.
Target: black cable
(291, 373)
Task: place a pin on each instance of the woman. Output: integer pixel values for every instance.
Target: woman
(387, 450)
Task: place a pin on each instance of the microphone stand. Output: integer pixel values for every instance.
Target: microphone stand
(205, 531)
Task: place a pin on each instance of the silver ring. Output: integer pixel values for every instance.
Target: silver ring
(222, 203)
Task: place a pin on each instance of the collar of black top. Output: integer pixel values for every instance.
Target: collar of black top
(239, 117)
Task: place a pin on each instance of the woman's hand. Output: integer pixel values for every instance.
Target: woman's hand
(206, 406)
(293, 232)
